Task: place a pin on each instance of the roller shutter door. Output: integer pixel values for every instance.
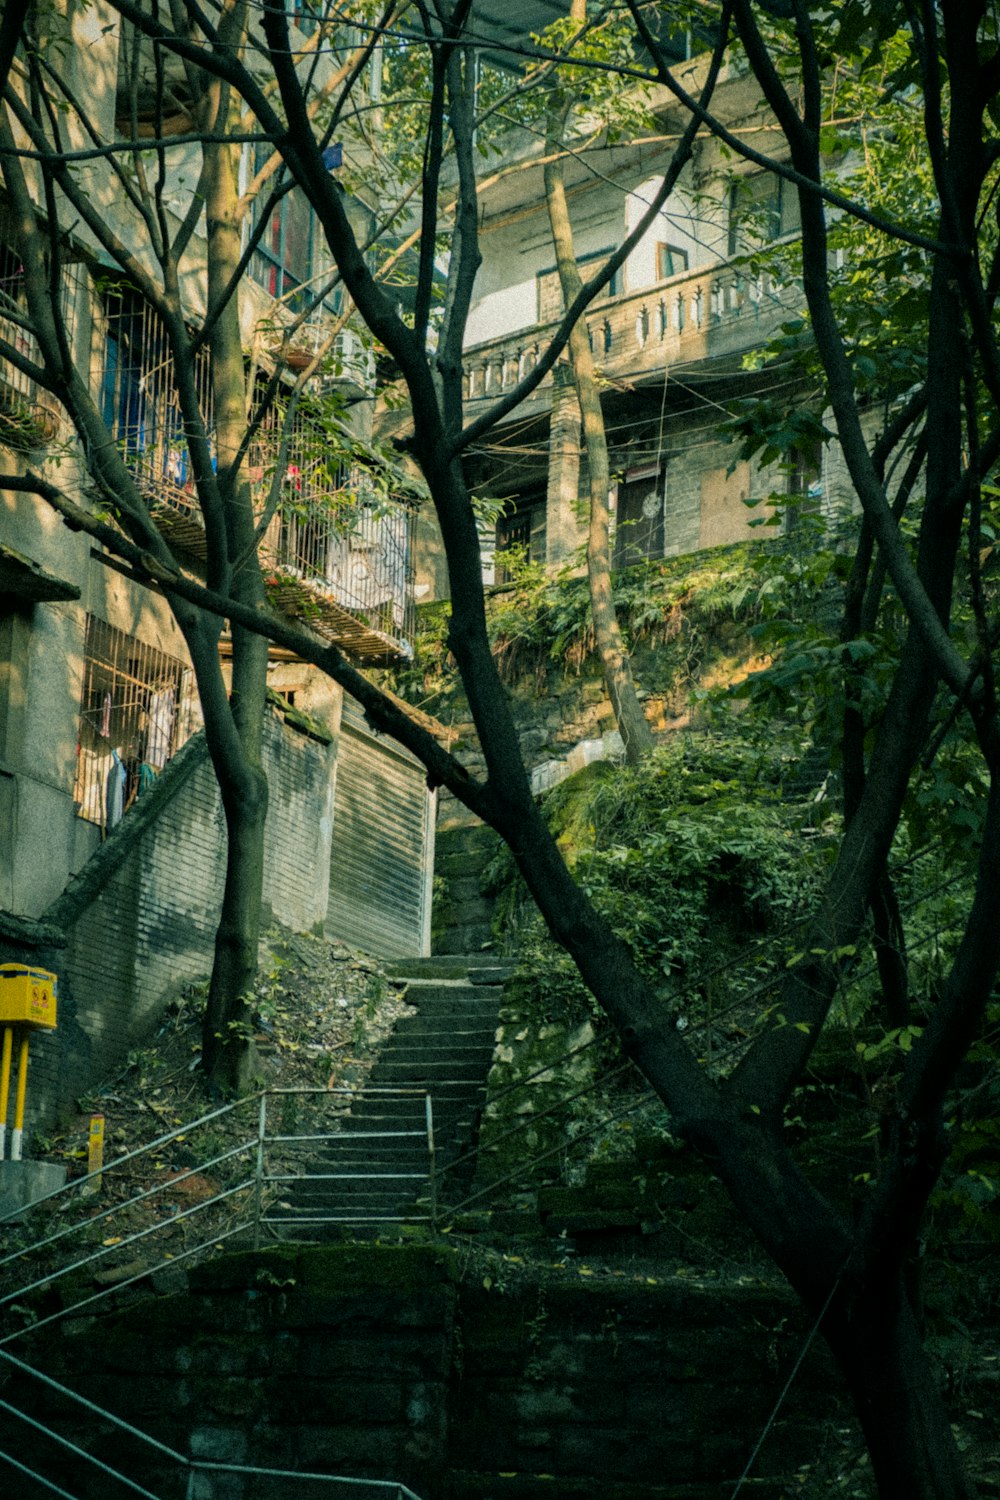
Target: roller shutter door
(382, 852)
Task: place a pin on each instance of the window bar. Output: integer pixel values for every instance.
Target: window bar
(135, 712)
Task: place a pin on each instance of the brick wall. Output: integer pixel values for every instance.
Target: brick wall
(148, 930)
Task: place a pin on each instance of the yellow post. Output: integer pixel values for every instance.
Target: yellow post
(95, 1151)
(22, 1086)
(8, 1048)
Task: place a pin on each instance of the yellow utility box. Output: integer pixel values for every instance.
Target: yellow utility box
(27, 996)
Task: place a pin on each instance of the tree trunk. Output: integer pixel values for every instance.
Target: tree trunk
(875, 1340)
(226, 1051)
(234, 728)
(632, 724)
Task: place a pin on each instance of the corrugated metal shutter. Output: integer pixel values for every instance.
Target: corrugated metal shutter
(382, 853)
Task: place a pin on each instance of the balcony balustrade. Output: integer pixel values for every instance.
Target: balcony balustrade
(332, 556)
(698, 315)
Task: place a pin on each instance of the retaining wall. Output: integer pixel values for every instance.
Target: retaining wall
(410, 1363)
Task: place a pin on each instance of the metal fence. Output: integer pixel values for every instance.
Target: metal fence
(178, 1474)
(143, 1212)
(149, 1205)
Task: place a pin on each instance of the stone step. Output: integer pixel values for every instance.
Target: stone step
(349, 1190)
(474, 968)
(420, 993)
(464, 1055)
(446, 1101)
(428, 1030)
(375, 1170)
(314, 1228)
(443, 1021)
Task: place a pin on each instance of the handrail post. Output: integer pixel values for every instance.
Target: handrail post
(432, 1160)
(258, 1191)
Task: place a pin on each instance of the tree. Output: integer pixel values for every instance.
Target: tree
(851, 1273)
(221, 403)
(635, 732)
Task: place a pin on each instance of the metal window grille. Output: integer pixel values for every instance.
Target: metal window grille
(330, 531)
(15, 384)
(139, 399)
(18, 392)
(135, 711)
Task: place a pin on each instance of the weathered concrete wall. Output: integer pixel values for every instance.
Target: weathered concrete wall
(409, 1363)
(139, 921)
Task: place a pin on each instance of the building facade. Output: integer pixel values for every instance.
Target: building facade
(97, 691)
(676, 337)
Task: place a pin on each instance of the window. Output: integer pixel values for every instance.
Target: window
(805, 486)
(139, 397)
(639, 516)
(282, 261)
(670, 261)
(14, 385)
(762, 208)
(524, 529)
(135, 712)
(18, 392)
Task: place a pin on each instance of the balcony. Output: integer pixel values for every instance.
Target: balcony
(332, 557)
(697, 316)
(29, 418)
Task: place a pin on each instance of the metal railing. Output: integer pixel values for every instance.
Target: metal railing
(198, 1472)
(105, 1219)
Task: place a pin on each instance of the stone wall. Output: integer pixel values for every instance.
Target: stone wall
(465, 1379)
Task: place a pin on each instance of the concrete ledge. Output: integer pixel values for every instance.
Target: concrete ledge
(23, 1183)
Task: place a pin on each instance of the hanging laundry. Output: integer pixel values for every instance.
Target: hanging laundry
(114, 792)
(160, 716)
(145, 779)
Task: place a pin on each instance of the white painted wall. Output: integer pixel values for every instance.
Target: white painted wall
(518, 247)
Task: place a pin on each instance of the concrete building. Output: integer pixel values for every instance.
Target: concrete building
(111, 835)
(673, 337)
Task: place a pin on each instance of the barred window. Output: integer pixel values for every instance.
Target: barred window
(135, 712)
(139, 400)
(29, 418)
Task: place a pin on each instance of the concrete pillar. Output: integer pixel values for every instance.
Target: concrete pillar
(562, 527)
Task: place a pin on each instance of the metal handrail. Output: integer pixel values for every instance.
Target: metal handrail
(251, 1188)
(194, 1466)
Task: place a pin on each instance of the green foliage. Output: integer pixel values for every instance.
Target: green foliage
(537, 620)
(679, 857)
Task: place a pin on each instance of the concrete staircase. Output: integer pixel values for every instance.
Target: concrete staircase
(374, 1172)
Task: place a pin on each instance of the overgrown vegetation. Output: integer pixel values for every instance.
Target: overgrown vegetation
(676, 605)
(679, 861)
